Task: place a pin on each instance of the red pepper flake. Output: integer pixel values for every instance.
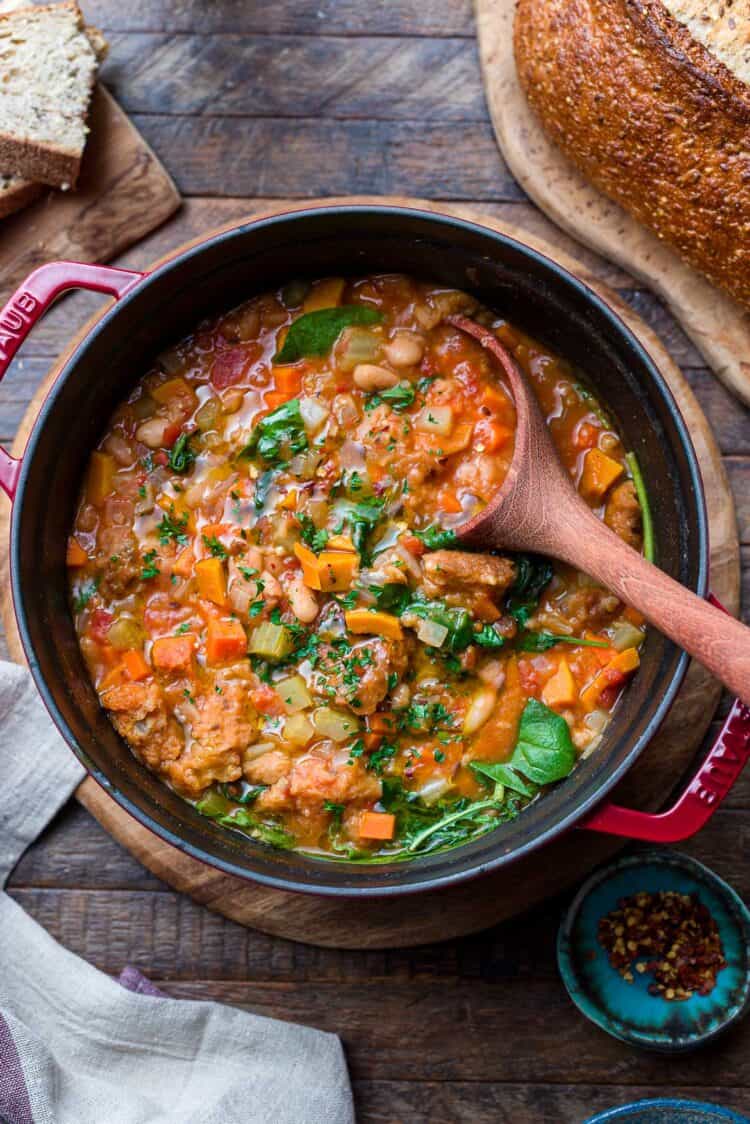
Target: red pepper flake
(672, 935)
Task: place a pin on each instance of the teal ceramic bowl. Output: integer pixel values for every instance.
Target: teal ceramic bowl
(668, 1110)
(627, 1010)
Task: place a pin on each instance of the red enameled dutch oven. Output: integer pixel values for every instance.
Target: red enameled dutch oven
(152, 311)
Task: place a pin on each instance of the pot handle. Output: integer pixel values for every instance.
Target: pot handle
(29, 303)
(718, 772)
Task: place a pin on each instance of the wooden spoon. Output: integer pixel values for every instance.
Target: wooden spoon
(538, 509)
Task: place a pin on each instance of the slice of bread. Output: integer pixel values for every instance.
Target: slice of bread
(15, 193)
(48, 66)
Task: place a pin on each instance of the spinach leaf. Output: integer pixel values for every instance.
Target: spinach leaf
(262, 488)
(533, 573)
(362, 518)
(279, 434)
(488, 637)
(459, 622)
(391, 597)
(399, 397)
(273, 834)
(436, 537)
(543, 641)
(544, 752)
(426, 828)
(181, 456)
(315, 333)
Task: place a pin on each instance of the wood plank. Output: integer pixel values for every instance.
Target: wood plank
(306, 158)
(297, 76)
(165, 933)
(727, 416)
(500, 1102)
(453, 1030)
(311, 17)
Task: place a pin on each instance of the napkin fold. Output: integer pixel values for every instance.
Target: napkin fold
(76, 1047)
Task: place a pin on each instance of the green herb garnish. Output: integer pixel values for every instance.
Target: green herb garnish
(279, 434)
(181, 456)
(544, 752)
(649, 551)
(315, 333)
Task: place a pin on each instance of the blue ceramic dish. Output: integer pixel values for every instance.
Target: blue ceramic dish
(667, 1110)
(627, 1010)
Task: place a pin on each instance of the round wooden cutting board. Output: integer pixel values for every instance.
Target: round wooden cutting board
(475, 905)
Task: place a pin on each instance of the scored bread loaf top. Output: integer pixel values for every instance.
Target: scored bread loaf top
(652, 117)
(48, 67)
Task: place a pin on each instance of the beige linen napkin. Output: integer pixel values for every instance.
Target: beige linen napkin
(76, 1047)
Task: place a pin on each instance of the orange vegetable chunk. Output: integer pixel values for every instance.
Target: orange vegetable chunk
(75, 554)
(377, 825)
(324, 294)
(226, 640)
(135, 665)
(173, 653)
(378, 624)
(600, 472)
(212, 582)
(560, 690)
(100, 480)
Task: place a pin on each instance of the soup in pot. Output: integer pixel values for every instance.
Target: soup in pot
(270, 597)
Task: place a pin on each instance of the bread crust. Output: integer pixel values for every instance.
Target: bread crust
(651, 117)
(18, 195)
(47, 163)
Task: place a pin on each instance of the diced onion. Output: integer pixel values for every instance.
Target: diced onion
(294, 694)
(627, 636)
(434, 790)
(313, 413)
(303, 465)
(298, 730)
(480, 708)
(257, 750)
(597, 720)
(435, 419)
(207, 417)
(334, 724)
(357, 345)
(432, 633)
(125, 633)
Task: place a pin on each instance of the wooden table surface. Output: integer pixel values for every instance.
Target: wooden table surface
(250, 100)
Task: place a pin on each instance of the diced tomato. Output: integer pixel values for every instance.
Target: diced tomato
(99, 624)
(585, 435)
(414, 545)
(171, 433)
(229, 367)
(266, 700)
(528, 675)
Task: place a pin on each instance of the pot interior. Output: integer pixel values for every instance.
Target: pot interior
(217, 275)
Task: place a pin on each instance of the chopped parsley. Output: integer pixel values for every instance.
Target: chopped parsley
(173, 529)
(214, 546)
(83, 593)
(150, 565)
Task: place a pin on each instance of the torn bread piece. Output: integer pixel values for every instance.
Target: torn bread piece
(48, 60)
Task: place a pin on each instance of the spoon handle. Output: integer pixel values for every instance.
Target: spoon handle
(718, 641)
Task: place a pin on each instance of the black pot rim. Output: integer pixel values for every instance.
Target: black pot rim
(566, 822)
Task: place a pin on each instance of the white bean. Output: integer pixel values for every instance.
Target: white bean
(368, 376)
(401, 696)
(480, 708)
(405, 349)
(151, 432)
(302, 601)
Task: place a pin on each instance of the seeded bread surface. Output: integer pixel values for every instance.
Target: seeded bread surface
(631, 92)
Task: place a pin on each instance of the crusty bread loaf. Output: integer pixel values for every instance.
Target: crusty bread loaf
(16, 193)
(649, 99)
(48, 67)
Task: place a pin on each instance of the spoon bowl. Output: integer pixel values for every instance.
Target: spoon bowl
(538, 509)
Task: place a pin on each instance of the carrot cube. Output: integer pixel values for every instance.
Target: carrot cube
(212, 582)
(135, 665)
(183, 563)
(173, 653)
(377, 825)
(378, 624)
(226, 640)
(101, 477)
(560, 690)
(75, 554)
(600, 472)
